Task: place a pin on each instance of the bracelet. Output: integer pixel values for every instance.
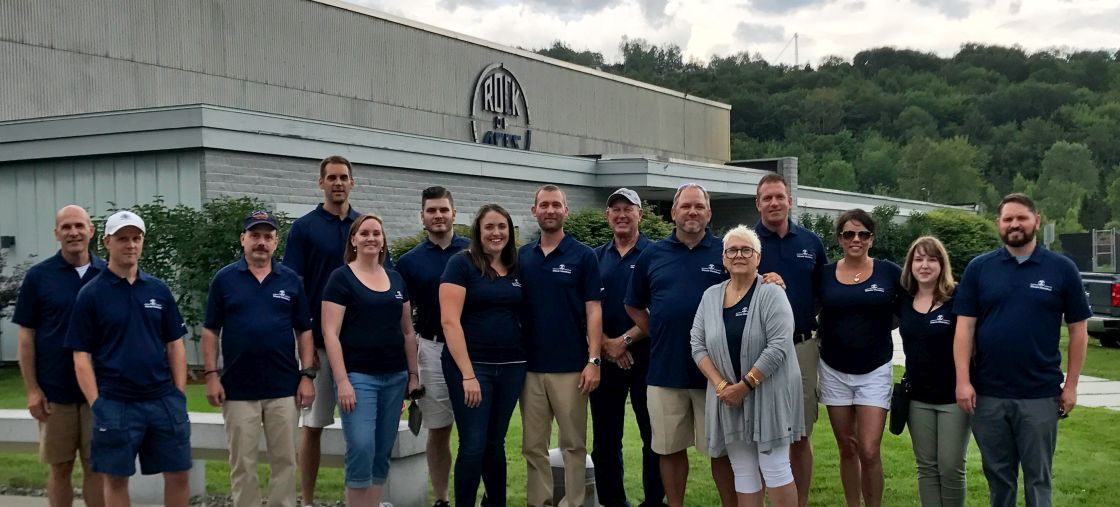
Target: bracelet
(207, 372)
(413, 374)
(722, 385)
(471, 378)
(751, 376)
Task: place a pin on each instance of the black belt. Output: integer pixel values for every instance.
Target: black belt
(800, 337)
(437, 339)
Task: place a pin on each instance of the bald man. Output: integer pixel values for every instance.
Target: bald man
(53, 397)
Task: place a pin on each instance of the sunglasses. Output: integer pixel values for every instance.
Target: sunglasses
(850, 235)
(745, 252)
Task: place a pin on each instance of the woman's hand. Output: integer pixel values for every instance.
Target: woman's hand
(346, 398)
(413, 384)
(733, 394)
(472, 393)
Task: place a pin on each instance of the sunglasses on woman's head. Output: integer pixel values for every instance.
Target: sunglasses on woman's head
(850, 235)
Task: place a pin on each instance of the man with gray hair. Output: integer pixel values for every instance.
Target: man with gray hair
(53, 396)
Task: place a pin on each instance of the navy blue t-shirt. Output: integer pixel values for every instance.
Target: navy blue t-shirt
(614, 271)
(734, 323)
(258, 322)
(856, 320)
(927, 339)
(45, 301)
(126, 328)
(491, 307)
(316, 245)
(421, 269)
(371, 335)
(669, 279)
(556, 289)
(1019, 310)
(798, 259)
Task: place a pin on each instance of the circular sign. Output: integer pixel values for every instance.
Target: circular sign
(499, 111)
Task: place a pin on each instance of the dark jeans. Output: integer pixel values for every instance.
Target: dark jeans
(1013, 433)
(608, 418)
(482, 430)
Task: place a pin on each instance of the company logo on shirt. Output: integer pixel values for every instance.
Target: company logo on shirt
(805, 254)
(711, 268)
(631, 266)
(742, 312)
(1041, 285)
(398, 295)
(516, 283)
(562, 269)
(874, 288)
(282, 295)
(152, 304)
(940, 320)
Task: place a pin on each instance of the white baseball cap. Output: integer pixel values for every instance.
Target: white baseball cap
(121, 219)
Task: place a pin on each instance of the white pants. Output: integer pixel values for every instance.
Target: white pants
(746, 462)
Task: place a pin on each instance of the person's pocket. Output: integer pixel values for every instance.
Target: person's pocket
(176, 406)
(108, 427)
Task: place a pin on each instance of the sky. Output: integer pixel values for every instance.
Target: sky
(703, 28)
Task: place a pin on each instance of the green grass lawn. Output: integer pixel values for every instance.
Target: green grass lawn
(1088, 448)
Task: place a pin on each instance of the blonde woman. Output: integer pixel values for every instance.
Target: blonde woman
(939, 428)
(742, 341)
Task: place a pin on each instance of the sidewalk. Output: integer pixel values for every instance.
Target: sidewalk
(38, 501)
(1091, 391)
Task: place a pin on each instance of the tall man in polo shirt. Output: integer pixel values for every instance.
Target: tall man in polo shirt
(1010, 305)
(563, 327)
(794, 256)
(53, 396)
(316, 243)
(258, 307)
(669, 279)
(421, 269)
(627, 353)
(125, 331)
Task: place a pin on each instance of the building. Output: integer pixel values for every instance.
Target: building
(113, 102)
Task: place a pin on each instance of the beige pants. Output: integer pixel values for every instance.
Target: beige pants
(547, 396)
(244, 420)
(808, 355)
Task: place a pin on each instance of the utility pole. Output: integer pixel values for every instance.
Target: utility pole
(796, 56)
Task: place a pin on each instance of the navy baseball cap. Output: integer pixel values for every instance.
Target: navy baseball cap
(260, 217)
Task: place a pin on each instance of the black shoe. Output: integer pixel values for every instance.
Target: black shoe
(442, 503)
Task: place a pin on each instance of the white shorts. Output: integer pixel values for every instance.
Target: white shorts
(871, 389)
(321, 412)
(435, 405)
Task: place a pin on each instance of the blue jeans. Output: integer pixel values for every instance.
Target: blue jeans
(370, 429)
(482, 430)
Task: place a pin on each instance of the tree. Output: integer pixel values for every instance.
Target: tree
(1068, 174)
(946, 171)
(914, 122)
(837, 174)
(561, 51)
(10, 281)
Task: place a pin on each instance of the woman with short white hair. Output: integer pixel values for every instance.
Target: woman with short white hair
(742, 340)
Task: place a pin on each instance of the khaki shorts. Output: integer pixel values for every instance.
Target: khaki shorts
(66, 431)
(321, 412)
(676, 418)
(435, 404)
(808, 355)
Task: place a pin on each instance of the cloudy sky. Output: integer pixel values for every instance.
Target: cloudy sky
(826, 27)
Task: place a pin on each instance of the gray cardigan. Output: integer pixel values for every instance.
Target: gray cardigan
(773, 414)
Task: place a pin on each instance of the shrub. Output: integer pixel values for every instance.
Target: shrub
(589, 225)
(10, 280)
(401, 246)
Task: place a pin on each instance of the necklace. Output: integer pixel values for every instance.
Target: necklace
(856, 278)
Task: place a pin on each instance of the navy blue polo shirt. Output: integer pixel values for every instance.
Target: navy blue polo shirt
(491, 312)
(45, 301)
(125, 328)
(1018, 310)
(615, 270)
(315, 248)
(371, 335)
(421, 269)
(669, 279)
(927, 339)
(556, 289)
(856, 320)
(734, 325)
(798, 259)
(257, 322)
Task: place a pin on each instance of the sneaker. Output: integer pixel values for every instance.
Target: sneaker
(385, 504)
(442, 503)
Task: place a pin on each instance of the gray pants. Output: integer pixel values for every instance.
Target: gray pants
(1014, 433)
(940, 436)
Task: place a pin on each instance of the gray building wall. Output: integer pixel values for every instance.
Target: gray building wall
(334, 63)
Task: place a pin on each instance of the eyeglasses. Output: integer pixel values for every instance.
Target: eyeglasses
(745, 252)
(850, 235)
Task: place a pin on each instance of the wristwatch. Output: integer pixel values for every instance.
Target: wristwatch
(627, 339)
(310, 373)
(595, 361)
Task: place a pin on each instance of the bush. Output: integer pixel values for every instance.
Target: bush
(10, 280)
(965, 235)
(589, 226)
(401, 246)
(185, 247)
